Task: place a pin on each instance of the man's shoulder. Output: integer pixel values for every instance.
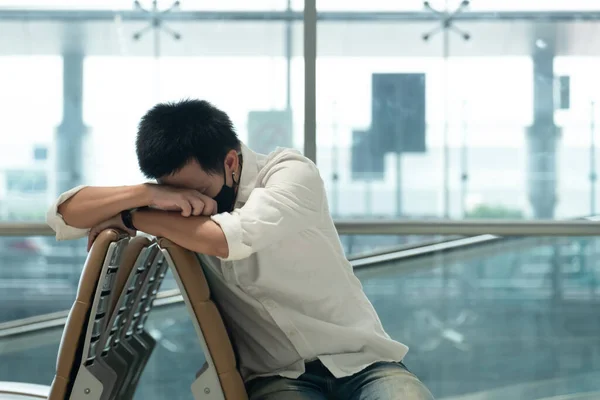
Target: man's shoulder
(284, 155)
(291, 161)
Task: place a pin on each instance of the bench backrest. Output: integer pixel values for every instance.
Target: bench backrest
(87, 321)
(218, 378)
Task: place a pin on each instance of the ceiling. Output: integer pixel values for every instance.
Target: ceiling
(339, 34)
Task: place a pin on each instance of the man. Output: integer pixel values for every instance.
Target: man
(299, 320)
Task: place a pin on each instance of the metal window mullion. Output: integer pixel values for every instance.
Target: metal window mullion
(310, 79)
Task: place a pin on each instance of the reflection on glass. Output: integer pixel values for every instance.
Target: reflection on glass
(31, 358)
(519, 324)
(512, 319)
(36, 277)
(358, 246)
(40, 276)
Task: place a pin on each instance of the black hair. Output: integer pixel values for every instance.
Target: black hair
(172, 134)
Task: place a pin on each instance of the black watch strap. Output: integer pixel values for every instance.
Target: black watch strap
(127, 219)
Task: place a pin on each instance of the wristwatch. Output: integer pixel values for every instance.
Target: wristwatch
(126, 217)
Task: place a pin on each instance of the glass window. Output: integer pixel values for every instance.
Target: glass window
(24, 181)
(241, 67)
(31, 97)
(242, 81)
(479, 105)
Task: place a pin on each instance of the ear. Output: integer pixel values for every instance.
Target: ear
(231, 160)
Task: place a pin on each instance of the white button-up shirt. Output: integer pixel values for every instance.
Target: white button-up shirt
(286, 291)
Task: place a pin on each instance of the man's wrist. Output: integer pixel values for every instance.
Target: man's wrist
(143, 193)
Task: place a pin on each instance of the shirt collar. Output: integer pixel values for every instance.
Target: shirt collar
(249, 174)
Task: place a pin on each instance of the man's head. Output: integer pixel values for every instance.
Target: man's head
(189, 144)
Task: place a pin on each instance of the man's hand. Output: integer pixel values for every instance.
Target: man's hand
(187, 201)
(115, 222)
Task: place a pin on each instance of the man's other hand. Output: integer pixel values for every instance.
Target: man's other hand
(187, 201)
(115, 222)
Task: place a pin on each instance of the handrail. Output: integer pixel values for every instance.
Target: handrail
(355, 257)
(25, 229)
(420, 251)
(173, 296)
(406, 227)
(469, 227)
(55, 319)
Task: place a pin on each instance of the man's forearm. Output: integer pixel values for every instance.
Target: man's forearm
(198, 234)
(93, 205)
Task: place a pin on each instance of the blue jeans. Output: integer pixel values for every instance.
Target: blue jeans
(379, 381)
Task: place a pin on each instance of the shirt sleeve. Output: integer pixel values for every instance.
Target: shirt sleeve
(58, 224)
(290, 201)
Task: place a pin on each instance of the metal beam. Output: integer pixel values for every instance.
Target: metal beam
(469, 228)
(543, 135)
(310, 79)
(289, 54)
(70, 135)
(343, 16)
(407, 227)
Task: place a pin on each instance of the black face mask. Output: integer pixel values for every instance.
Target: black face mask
(226, 197)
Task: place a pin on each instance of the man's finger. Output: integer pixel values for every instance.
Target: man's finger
(197, 204)
(210, 205)
(186, 208)
(197, 200)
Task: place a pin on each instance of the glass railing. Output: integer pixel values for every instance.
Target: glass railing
(484, 318)
(512, 319)
(31, 357)
(39, 275)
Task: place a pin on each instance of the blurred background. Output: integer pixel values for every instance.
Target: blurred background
(440, 110)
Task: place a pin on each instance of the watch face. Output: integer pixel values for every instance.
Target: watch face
(127, 220)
